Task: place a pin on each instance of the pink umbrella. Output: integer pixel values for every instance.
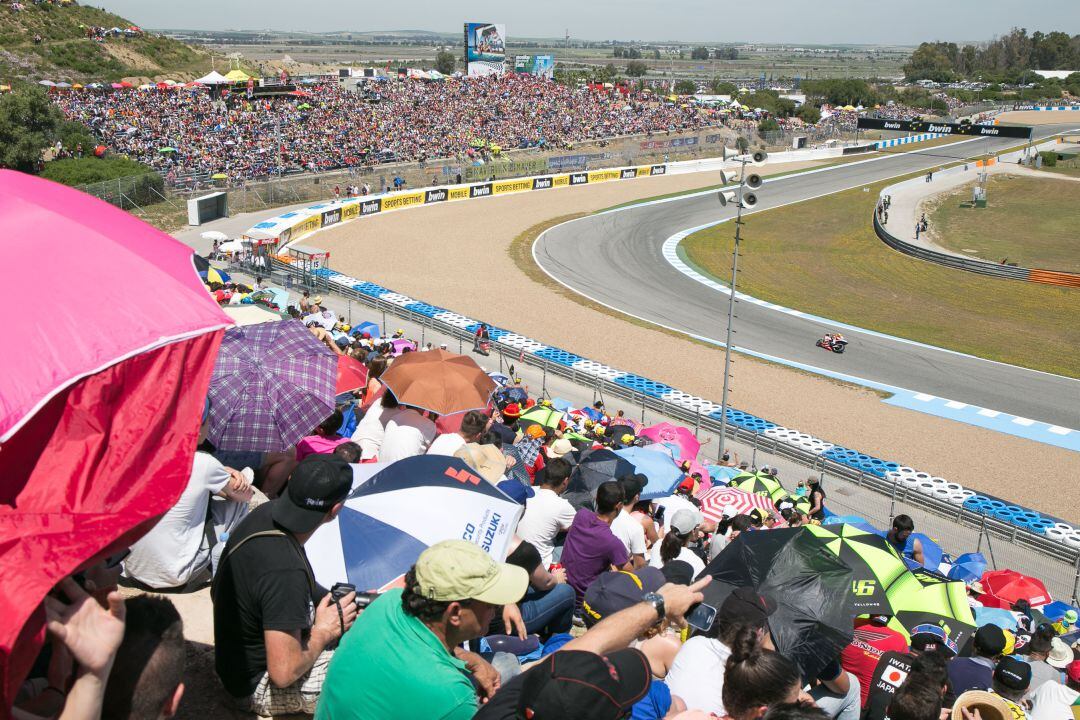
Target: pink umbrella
(682, 437)
(104, 384)
(400, 344)
(716, 499)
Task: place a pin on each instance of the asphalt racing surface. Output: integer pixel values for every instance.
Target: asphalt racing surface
(615, 259)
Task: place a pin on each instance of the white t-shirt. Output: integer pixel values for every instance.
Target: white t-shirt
(446, 444)
(370, 432)
(685, 554)
(697, 674)
(630, 533)
(408, 433)
(546, 515)
(168, 555)
(1052, 701)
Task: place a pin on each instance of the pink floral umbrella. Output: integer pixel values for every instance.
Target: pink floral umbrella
(682, 437)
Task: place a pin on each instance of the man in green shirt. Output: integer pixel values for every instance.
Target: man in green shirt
(402, 659)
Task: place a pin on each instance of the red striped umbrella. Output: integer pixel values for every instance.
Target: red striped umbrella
(718, 497)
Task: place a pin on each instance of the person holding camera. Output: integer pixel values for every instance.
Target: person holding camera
(404, 659)
(275, 628)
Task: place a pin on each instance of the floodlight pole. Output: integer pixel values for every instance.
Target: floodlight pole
(731, 309)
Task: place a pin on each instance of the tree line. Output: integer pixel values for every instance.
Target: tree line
(1006, 59)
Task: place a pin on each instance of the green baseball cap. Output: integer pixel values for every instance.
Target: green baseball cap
(459, 570)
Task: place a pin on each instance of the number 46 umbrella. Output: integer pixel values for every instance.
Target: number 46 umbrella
(399, 512)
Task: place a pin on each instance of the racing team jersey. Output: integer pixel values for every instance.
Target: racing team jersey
(861, 656)
(889, 675)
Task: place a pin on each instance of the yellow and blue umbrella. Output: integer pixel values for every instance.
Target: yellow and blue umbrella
(213, 275)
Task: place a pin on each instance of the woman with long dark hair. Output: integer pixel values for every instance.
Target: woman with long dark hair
(756, 678)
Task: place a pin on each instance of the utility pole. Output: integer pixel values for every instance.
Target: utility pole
(731, 309)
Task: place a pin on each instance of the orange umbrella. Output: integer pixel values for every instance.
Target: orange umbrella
(440, 381)
(351, 374)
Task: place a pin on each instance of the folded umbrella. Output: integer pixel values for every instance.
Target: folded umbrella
(810, 585)
(716, 499)
(394, 515)
(439, 381)
(351, 374)
(683, 437)
(661, 473)
(272, 384)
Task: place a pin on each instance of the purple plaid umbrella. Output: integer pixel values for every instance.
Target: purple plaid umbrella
(272, 384)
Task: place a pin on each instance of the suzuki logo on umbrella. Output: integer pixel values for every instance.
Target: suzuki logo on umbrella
(463, 476)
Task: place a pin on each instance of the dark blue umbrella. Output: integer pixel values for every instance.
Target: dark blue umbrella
(409, 505)
(596, 467)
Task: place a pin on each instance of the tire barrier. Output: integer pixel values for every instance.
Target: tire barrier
(1044, 534)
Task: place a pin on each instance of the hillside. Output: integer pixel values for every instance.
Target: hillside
(65, 52)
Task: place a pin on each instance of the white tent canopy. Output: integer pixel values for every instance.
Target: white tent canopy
(213, 78)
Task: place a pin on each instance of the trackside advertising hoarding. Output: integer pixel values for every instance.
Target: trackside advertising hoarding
(926, 126)
(296, 224)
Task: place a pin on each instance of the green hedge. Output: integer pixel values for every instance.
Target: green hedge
(116, 180)
(1049, 159)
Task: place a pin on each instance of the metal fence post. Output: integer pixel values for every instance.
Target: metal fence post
(1076, 580)
(543, 382)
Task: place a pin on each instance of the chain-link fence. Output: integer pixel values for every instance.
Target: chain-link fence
(129, 193)
(251, 196)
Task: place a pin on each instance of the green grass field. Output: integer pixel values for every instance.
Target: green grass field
(822, 256)
(1031, 221)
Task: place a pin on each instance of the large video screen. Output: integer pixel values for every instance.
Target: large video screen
(541, 65)
(485, 48)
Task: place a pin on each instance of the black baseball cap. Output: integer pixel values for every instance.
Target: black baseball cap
(746, 605)
(679, 572)
(1012, 673)
(617, 590)
(317, 484)
(581, 685)
(990, 639)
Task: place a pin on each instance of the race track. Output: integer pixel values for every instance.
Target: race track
(615, 259)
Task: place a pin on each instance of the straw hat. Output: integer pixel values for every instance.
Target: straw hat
(989, 705)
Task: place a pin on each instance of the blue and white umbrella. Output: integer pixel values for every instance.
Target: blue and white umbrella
(409, 505)
(662, 473)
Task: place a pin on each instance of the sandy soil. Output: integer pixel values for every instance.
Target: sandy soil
(455, 256)
(1041, 117)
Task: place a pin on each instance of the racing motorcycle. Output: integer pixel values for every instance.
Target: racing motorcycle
(835, 343)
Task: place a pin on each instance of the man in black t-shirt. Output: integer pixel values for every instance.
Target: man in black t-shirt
(273, 624)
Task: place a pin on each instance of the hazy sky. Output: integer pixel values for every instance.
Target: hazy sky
(791, 21)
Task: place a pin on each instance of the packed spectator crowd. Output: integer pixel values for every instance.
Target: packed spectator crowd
(595, 613)
(187, 130)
